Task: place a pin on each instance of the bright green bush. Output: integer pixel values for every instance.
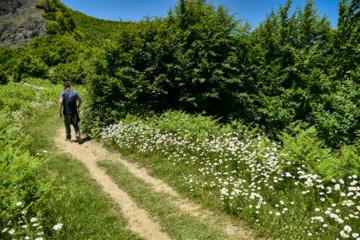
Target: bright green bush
(52, 27)
(29, 66)
(9, 57)
(74, 72)
(200, 59)
(57, 49)
(171, 63)
(345, 165)
(304, 146)
(40, 5)
(62, 19)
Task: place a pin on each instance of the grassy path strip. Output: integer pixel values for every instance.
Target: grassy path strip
(159, 185)
(77, 201)
(139, 221)
(193, 209)
(178, 224)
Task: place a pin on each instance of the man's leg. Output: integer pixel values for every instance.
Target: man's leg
(77, 131)
(67, 128)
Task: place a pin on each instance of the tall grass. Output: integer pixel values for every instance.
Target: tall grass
(21, 185)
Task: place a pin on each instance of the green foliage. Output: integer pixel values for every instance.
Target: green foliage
(61, 18)
(163, 64)
(3, 78)
(337, 119)
(65, 21)
(20, 183)
(74, 72)
(38, 83)
(52, 27)
(199, 59)
(289, 57)
(14, 97)
(40, 5)
(57, 49)
(180, 123)
(303, 147)
(346, 165)
(346, 38)
(9, 57)
(29, 66)
(93, 30)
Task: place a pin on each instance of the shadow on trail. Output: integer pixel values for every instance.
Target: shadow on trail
(84, 140)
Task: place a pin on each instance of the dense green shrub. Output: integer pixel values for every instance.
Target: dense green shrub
(29, 66)
(57, 49)
(9, 57)
(200, 59)
(52, 27)
(40, 5)
(3, 78)
(61, 19)
(74, 72)
(186, 63)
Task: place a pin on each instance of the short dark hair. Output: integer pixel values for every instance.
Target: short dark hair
(66, 84)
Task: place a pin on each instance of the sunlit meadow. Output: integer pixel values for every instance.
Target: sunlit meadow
(253, 177)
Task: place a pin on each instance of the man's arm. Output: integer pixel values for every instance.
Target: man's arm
(80, 102)
(60, 106)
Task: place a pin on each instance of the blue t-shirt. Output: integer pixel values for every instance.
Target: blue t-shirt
(76, 94)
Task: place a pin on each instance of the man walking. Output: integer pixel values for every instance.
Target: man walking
(68, 98)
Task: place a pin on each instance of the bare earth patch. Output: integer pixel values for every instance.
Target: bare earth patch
(139, 221)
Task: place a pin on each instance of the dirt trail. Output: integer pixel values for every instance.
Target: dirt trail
(90, 151)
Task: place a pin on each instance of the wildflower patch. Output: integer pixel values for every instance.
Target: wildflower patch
(251, 176)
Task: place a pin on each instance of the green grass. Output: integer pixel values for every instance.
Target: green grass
(76, 201)
(177, 223)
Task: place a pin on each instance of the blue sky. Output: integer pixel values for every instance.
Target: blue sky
(252, 10)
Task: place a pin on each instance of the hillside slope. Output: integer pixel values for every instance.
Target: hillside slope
(95, 30)
(20, 22)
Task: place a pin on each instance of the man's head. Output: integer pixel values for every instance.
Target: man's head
(66, 85)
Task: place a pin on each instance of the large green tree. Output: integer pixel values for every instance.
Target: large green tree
(188, 60)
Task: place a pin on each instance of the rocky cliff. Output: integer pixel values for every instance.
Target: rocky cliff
(20, 22)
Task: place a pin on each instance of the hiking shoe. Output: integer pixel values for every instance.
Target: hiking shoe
(79, 138)
(68, 139)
